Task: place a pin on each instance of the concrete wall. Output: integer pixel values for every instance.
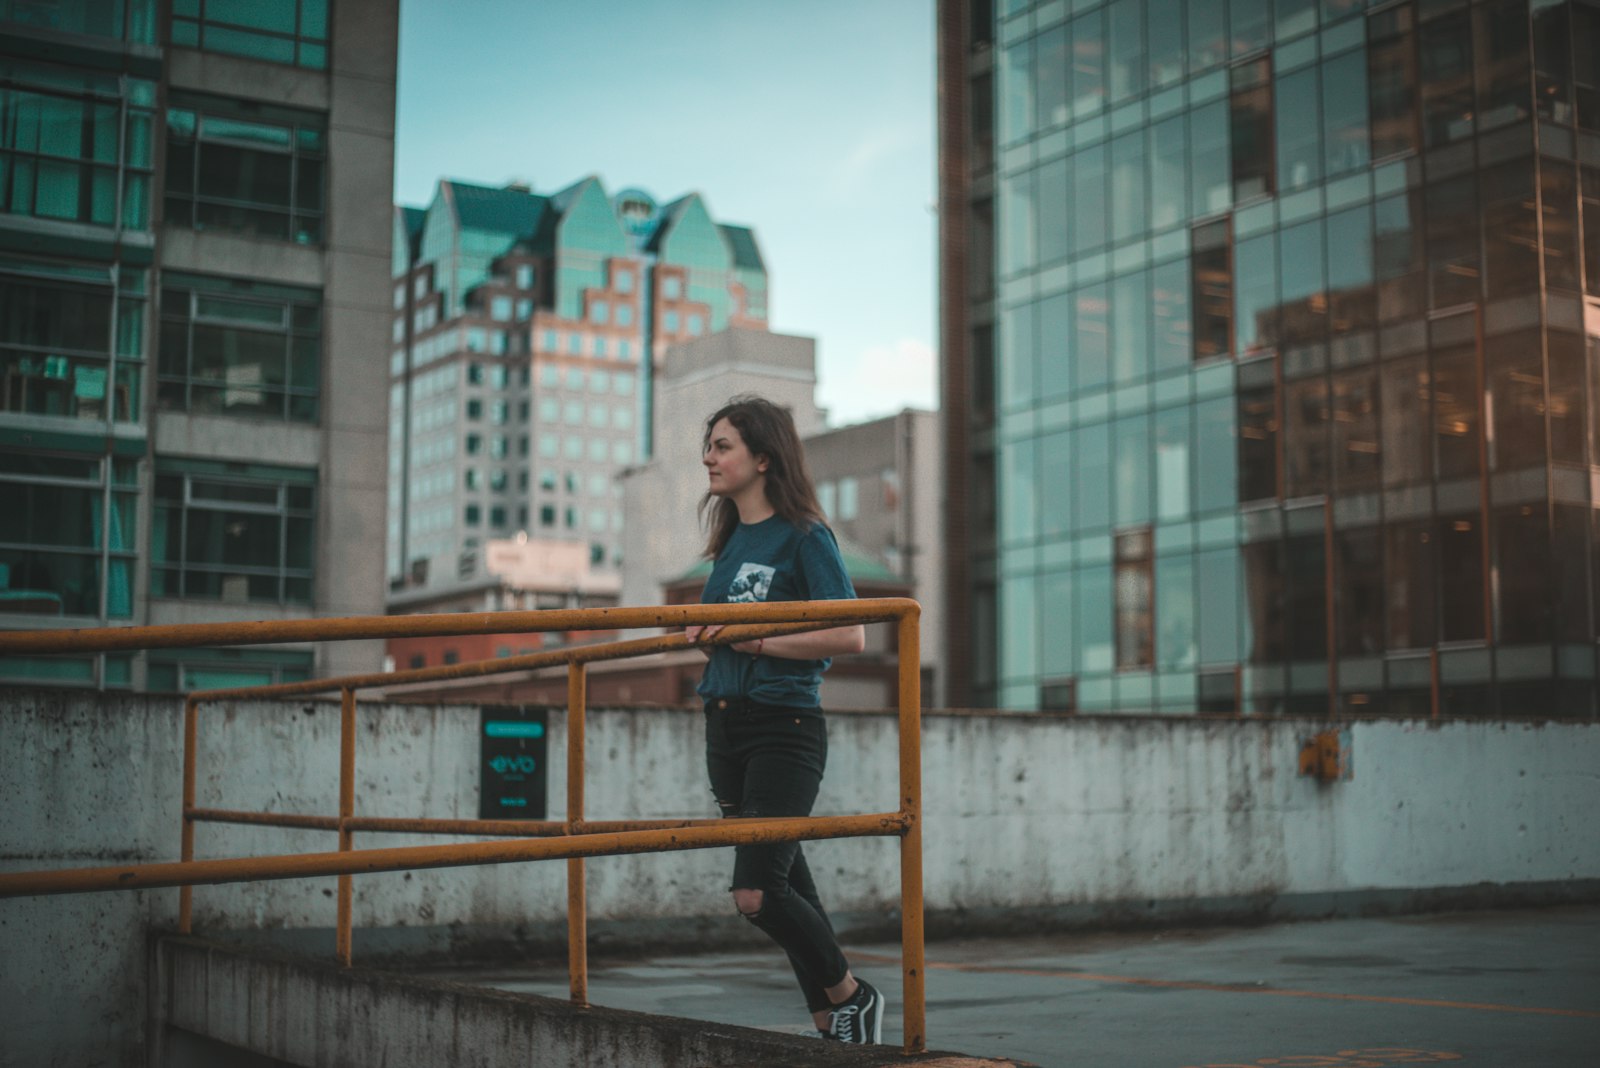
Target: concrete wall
(1051, 818)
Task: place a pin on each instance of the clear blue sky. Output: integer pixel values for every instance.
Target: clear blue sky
(811, 121)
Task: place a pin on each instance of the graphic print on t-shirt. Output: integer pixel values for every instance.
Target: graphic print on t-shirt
(751, 583)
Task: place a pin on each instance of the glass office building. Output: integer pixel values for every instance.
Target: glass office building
(193, 273)
(1279, 346)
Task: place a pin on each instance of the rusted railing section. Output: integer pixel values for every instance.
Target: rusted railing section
(573, 838)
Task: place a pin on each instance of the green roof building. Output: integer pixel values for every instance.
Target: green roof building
(528, 329)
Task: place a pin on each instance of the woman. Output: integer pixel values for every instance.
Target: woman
(766, 741)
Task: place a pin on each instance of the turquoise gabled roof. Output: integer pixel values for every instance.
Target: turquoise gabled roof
(742, 241)
(516, 213)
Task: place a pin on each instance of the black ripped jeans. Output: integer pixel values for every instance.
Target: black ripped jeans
(767, 761)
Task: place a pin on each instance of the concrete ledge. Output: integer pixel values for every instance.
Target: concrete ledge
(277, 1008)
(458, 944)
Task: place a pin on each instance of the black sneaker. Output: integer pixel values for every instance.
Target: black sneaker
(859, 1021)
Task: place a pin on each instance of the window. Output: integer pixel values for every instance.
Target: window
(622, 282)
(671, 287)
(524, 276)
(473, 515)
(1135, 610)
(61, 552)
(669, 322)
(55, 338)
(1250, 123)
(59, 138)
(279, 31)
(828, 497)
(232, 532)
(181, 670)
(695, 325)
(1447, 98)
(1211, 270)
(849, 498)
(500, 309)
(250, 169)
(239, 348)
(599, 312)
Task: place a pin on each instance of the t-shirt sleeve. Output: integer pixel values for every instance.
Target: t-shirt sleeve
(822, 568)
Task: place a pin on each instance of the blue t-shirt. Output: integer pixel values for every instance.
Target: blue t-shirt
(772, 560)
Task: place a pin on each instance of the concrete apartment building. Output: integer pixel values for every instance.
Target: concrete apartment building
(194, 270)
(527, 331)
(1271, 342)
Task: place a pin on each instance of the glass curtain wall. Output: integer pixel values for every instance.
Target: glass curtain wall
(1295, 406)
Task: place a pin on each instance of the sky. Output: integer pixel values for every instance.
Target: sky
(810, 121)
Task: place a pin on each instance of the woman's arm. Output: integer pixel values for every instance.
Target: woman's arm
(812, 645)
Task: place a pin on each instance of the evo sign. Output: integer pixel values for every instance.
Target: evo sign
(511, 766)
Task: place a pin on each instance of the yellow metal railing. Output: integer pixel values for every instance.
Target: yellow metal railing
(574, 838)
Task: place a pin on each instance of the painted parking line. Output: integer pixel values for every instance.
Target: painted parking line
(1233, 988)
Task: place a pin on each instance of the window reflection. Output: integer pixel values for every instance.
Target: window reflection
(1125, 25)
(1558, 197)
(1504, 64)
(1247, 23)
(1515, 367)
(1130, 313)
(1131, 462)
(1306, 419)
(1055, 485)
(1523, 612)
(1552, 66)
(1392, 82)
(1212, 273)
(1359, 591)
(1018, 356)
(1051, 208)
(1591, 230)
(1510, 229)
(1452, 242)
(1397, 256)
(1088, 63)
(1218, 589)
(1209, 159)
(1169, 202)
(1304, 298)
(1176, 646)
(1093, 484)
(1256, 294)
(1305, 560)
(1407, 456)
(1447, 104)
(1250, 129)
(1264, 601)
(1409, 580)
(1355, 430)
(1216, 479)
(1566, 406)
(1208, 33)
(1091, 351)
(1352, 301)
(1017, 236)
(1135, 624)
(1457, 427)
(1016, 92)
(1165, 44)
(1344, 113)
(1258, 430)
(1130, 210)
(1051, 78)
(1299, 131)
(1055, 345)
(1461, 577)
(1169, 315)
(1172, 463)
(1089, 199)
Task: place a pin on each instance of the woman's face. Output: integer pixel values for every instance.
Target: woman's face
(730, 466)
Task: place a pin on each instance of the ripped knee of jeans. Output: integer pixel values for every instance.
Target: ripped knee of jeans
(729, 808)
(748, 902)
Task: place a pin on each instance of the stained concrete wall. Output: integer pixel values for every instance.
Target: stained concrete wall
(1040, 817)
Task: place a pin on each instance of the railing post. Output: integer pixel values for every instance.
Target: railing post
(191, 731)
(347, 810)
(577, 906)
(911, 948)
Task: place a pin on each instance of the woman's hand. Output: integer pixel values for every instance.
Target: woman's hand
(699, 635)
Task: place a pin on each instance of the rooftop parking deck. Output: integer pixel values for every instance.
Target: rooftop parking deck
(1481, 988)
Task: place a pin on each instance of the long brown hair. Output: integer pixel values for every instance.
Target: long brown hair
(768, 432)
